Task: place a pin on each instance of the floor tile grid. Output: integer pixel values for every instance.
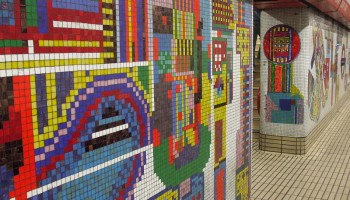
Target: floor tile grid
(335, 144)
(335, 139)
(342, 152)
(319, 165)
(321, 174)
(282, 165)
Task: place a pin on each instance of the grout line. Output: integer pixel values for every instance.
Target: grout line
(325, 165)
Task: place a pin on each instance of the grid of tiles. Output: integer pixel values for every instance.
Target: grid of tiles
(284, 101)
(323, 173)
(297, 97)
(328, 74)
(125, 99)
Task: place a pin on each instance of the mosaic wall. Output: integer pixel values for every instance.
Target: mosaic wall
(134, 99)
(304, 70)
(327, 79)
(284, 101)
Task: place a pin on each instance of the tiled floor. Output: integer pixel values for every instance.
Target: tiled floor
(323, 173)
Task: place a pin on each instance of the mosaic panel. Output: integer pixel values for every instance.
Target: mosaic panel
(281, 44)
(284, 101)
(134, 99)
(318, 86)
(328, 68)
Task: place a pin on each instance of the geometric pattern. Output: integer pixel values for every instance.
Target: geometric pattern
(327, 70)
(281, 44)
(243, 142)
(284, 102)
(114, 99)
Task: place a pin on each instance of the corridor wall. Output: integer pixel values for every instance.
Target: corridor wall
(134, 99)
(328, 74)
(283, 81)
(305, 70)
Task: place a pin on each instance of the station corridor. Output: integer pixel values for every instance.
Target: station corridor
(322, 173)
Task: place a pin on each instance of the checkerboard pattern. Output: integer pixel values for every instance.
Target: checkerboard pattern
(125, 99)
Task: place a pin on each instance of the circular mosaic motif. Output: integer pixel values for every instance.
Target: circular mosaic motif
(281, 44)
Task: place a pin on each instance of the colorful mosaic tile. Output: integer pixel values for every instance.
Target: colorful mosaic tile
(134, 99)
(281, 44)
(284, 101)
(328, 68)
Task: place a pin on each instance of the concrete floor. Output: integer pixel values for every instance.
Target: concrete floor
(323, 173)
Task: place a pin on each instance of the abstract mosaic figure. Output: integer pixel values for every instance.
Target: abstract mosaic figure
(284, 101)
(55, 36)
(281, 44)
(281, 78)
(15, 128)
(108, 98)
(335, 77)
(290, 108)
(317, 63)
(221, 71)
(343, 62)
(325, 65)
(181, 142)
(221, 78)
(327, 73)
(316, 83)
(108, 117)
(11, 150)
(104, 116)
(243, 48)
(242, 185)
(190, 189)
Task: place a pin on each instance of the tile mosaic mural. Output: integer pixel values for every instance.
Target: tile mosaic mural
(284, 101)
(126, 99)
(328, 67)
(300, 90)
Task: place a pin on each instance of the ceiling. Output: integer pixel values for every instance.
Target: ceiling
(337, 9)
(268, 4)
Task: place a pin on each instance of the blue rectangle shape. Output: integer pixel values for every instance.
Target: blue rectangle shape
(83, 5)
(7, 15)
(286, 104)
